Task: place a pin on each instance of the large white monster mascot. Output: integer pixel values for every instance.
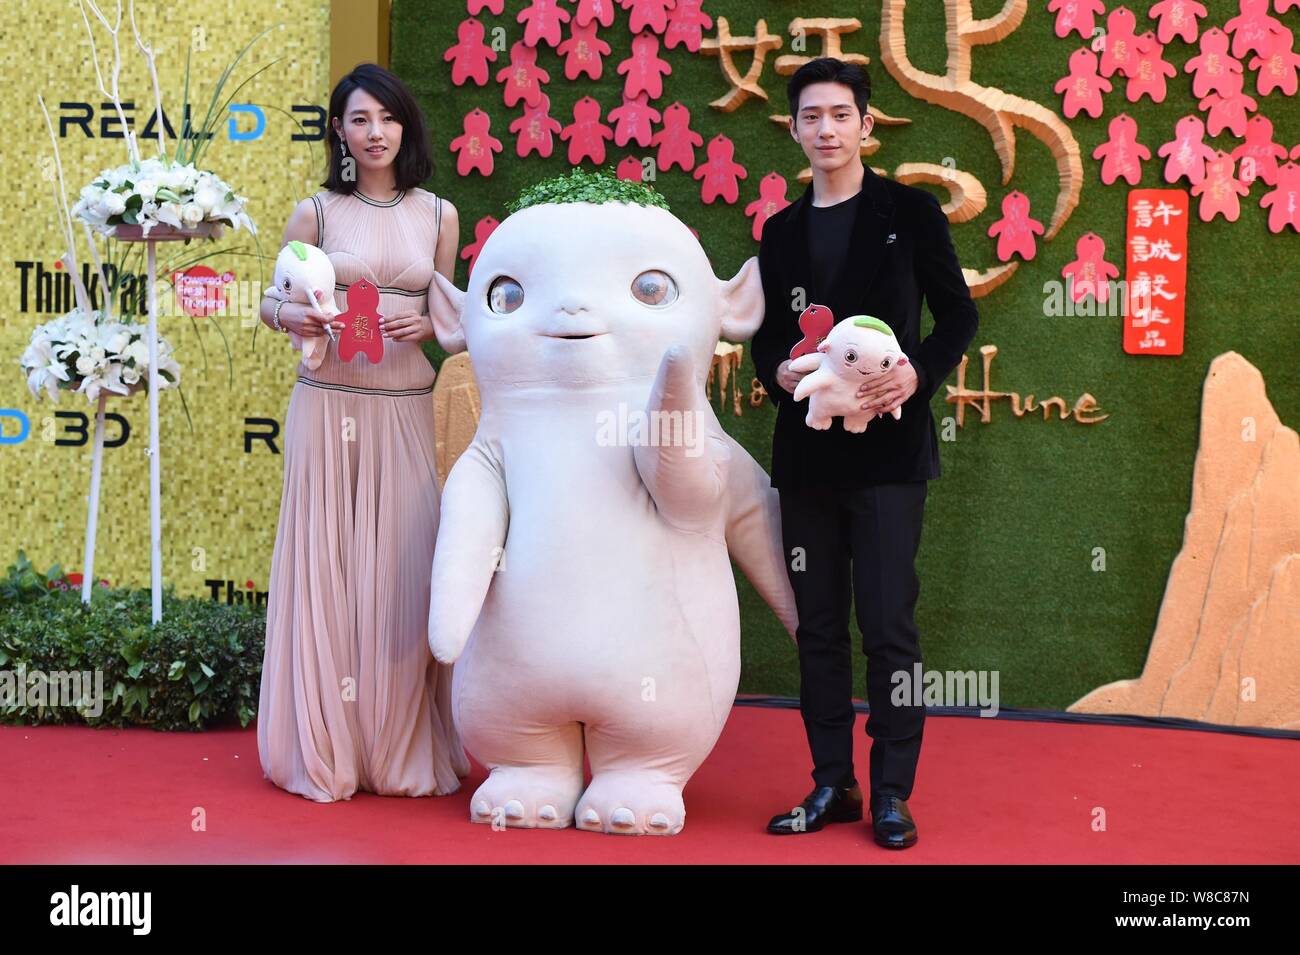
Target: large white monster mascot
(581, 577)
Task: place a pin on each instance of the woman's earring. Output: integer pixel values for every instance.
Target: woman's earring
(343, 145)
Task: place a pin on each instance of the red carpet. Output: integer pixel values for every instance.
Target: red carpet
(989, 791)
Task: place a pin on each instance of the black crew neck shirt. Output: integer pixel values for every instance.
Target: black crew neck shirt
(829, 230)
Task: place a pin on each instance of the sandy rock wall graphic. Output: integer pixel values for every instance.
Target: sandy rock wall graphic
(1227, 642)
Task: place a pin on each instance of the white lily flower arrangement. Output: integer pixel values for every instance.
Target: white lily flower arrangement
(93, 352)
(160, 191)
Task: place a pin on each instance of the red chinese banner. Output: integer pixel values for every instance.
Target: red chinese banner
(1157, 271)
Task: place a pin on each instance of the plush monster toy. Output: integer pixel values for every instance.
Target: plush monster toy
(301, 270)
(856, 351)
(581, 579)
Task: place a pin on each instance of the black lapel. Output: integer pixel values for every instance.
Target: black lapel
(872, 225)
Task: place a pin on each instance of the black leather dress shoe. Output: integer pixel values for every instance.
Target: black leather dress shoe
(891, 822)
(824, 805)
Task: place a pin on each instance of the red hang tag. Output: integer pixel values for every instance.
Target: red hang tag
(1157, 271)
(361, 324)
(816, 323)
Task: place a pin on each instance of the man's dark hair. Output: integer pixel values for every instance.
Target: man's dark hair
(413, 163)
(827, 69)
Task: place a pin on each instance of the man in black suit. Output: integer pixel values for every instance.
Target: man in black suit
(852, 504)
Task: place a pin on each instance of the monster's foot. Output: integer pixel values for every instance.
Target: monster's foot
(821, 424)
(632, 802)
(527, 797)
(857, 423)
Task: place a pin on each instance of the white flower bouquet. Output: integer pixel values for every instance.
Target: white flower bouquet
(160, 191)
(93, 352)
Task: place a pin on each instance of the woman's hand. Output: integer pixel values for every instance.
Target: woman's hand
(407, 327)
(305, 323)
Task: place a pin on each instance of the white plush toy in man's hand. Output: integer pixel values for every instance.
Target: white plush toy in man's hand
(302, 270)
(856, 351)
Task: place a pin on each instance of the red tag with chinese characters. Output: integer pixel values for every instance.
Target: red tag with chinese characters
(1156, 254)
(361, 324)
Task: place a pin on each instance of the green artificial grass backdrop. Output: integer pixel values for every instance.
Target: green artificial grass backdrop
(1009, 548)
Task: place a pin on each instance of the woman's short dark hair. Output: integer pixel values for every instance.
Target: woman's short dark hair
(413, 163)
(827, 69)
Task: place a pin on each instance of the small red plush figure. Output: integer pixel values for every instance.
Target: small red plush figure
(493, 6)
(816, 322)
(582, 51)
(470, 56)
(1277, 67)
(586, 135)
(720, 173)
(1148, 74)
(771, 200)
(1083, 87)
(476, 145)
(1122, 154)
(1220, 190)
(1251, 27)
(1211, 68)
(676, 141)
(482, 229)
(1089, 273)
(630, 169)
(644, 69)
(1015, 230)
(648, 14)
(594, 11)
(523, 78)
(534, 131)
(1284, 200)
(1229, 110)
(1076, 16)
(1187, 152)
(1119, 52)
(687, 23)
(542, 22)
(1177, 18)
(1259, 155)
(361, 324)
(633, 121)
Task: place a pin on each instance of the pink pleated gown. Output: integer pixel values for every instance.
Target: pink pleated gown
(351, 697)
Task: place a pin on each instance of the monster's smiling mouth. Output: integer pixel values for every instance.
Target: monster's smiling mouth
(575, 336)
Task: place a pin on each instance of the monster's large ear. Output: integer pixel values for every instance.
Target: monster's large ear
(446, 305)
(742, 303)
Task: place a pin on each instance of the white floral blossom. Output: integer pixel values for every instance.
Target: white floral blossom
(166, 193)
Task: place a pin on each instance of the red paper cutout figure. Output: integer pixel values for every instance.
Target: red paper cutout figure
(1089, 273)
(633, 121)
(1122, 154)
(493, 6)
(720, 173)
(1119, 52)
(1284, 200)
(534, 130)
(1277, 67)
(1295, 152)
(1282, 6)
(1211, 68)
(630, 169)
(1076, 16)
(482, 229)
(652, 14)
(1015, 230)
(542, 22)
(1147, 75)
(771, 200)
(1251, 27)
(1219, 190)
(476, 145)
(816, 322)
(1177, 19)
(644, 68)
(1259, 155)
(687, 23)
(676, 141)
(360, 333)
(594, 11)
(586, 135)
(1229, 110)
(469, 56)
(1082, 87)
(523, 78)
(1187, 152)
(582, 52)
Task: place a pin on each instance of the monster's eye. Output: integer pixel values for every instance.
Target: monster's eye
(884, 364)
(288, 283)
(850, 357)
(505, 295)
(654, 288)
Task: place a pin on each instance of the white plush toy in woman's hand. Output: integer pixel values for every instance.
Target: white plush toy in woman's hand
(856, 352)
(302, 270)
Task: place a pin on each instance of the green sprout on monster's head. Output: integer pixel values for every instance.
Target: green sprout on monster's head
(582, 186)
(869, 321)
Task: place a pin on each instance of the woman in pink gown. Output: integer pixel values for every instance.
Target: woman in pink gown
(351, 698)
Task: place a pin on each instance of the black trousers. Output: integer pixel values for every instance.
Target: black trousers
(870, 536)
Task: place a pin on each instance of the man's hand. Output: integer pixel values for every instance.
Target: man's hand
(787, 379)
(407, 327)
(889, 390)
